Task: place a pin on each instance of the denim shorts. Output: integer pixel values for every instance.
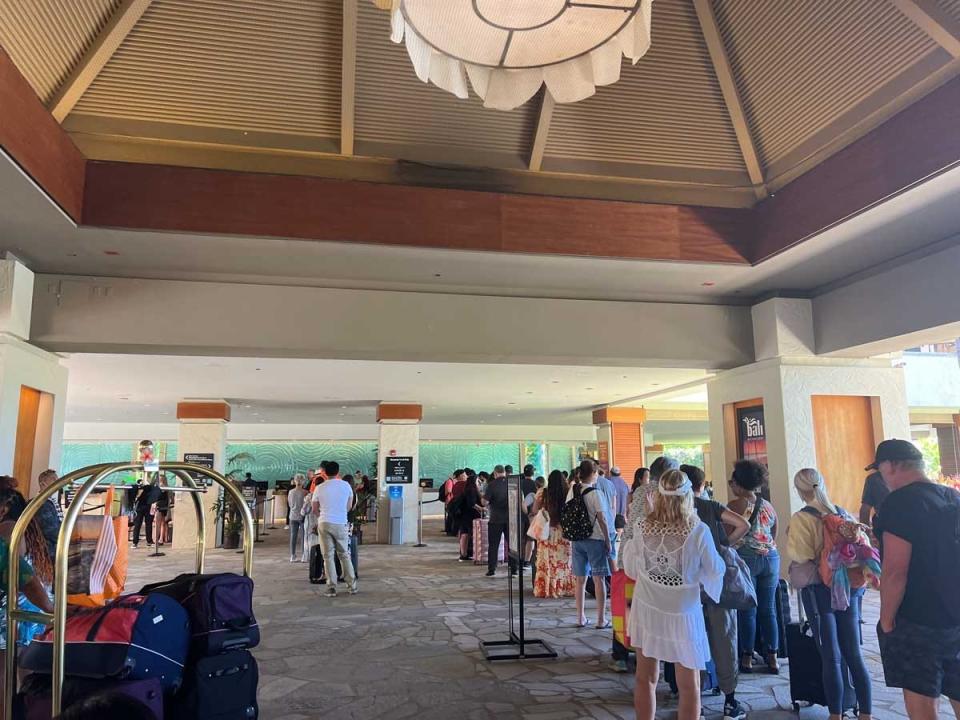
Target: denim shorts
(590, 557)
(921, 659)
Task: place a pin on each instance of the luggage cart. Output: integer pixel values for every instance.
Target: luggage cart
(58, 621)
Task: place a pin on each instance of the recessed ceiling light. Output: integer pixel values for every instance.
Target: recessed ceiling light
(511, 403)
(555, 382)
(529, 392)
(419, 372)
(343, 407)
(342, 414)
(708, 283)
(111, 252)
(436, 274)
(257, 369)
(246, 406)
(589, 388)
(499, 415)
(655, 384)
(254, 414)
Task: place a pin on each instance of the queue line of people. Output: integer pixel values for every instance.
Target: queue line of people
(671, 541)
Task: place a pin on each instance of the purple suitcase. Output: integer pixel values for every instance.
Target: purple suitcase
(38, 702)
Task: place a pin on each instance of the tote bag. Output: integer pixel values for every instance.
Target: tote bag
(97, 564)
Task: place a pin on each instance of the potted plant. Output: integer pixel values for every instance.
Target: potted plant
(231, 533)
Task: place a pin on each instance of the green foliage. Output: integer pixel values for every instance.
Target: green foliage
(931, 454)
(685, 454)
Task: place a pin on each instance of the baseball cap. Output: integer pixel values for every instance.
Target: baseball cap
(614, 470)
(891, 450)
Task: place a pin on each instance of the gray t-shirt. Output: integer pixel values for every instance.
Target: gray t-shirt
(596, 505)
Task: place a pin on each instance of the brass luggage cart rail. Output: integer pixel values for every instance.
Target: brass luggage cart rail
(58, 620)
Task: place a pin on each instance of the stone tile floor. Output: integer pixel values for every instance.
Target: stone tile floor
(407, 646)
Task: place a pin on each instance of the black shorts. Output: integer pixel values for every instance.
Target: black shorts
(922, 659)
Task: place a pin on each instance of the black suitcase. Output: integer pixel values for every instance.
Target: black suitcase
(806, 667)
(219, 687)
(318, 572)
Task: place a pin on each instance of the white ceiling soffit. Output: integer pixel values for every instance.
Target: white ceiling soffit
(141, 388)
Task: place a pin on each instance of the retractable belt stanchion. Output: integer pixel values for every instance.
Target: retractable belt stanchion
(58, 620)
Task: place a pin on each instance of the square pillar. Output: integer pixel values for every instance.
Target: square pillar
(203, 429)
(816, 412)
(621, 428)
(399, 438)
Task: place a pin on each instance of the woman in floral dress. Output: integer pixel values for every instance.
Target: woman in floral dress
(554, 575)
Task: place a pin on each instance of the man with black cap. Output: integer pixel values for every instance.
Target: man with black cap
(918, 527)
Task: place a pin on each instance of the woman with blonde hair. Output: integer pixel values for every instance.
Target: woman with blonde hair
(838, 631)
(670, 556)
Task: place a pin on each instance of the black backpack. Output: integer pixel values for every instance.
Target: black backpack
(575, 521)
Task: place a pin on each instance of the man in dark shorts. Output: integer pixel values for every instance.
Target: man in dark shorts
(918, 527)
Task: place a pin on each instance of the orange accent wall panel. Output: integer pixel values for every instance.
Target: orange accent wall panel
(203, 411)
(398, 411)
(619, 414)
(627, 448)
(26, 437)
(30, 135)
(845, 443)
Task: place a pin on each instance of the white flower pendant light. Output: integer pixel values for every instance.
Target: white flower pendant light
(509, 48)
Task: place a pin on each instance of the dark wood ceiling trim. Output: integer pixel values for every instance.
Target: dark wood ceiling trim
(195, 200)
(917, 143)
(31, 136)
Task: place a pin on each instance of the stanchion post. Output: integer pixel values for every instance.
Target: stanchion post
(420, 542)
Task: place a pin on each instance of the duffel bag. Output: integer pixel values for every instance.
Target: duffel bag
(220, 607)
(137, 637)
(37, 699)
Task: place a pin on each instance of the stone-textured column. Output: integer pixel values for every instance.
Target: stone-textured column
(33, 386)
(794, 386)
(399, 437)
(203, 429)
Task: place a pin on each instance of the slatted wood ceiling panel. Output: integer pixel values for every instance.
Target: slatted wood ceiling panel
(666, 110)
(800, 64)
(237, 64)
(952, 7)
(393, 106)
(47, 38)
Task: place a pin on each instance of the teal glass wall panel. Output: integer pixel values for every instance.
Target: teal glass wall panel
(439, 459)
(562, 456)
(76, 455)
(535, 454)
(274, 461)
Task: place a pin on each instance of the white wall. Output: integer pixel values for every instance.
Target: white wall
(933, 381)
(79, 314)
(22, 364)
(908, 304)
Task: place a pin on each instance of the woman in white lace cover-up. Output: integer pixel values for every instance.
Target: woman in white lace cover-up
(670, 556)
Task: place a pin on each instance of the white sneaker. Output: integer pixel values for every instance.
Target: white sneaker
(353, 587)
(293, 559)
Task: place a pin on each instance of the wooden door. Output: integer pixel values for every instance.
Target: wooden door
(26, 437)
(843, 427)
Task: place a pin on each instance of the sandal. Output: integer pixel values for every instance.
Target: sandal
(605, 626)
(582, 623)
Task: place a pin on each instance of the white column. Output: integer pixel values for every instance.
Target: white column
(199, 436)
(26, 370)
(399, 438)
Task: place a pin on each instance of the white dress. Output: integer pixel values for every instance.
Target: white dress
(669, 566)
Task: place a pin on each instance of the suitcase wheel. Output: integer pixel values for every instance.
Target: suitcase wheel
(796, 707)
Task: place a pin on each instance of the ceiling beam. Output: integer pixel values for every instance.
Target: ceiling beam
(104, 46)
(728, 86)
(543, 129)
(934, 21)
(348, 77)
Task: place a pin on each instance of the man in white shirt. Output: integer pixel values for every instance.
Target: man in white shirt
(332, 500)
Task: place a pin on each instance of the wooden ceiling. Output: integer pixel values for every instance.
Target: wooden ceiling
(735, 99)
